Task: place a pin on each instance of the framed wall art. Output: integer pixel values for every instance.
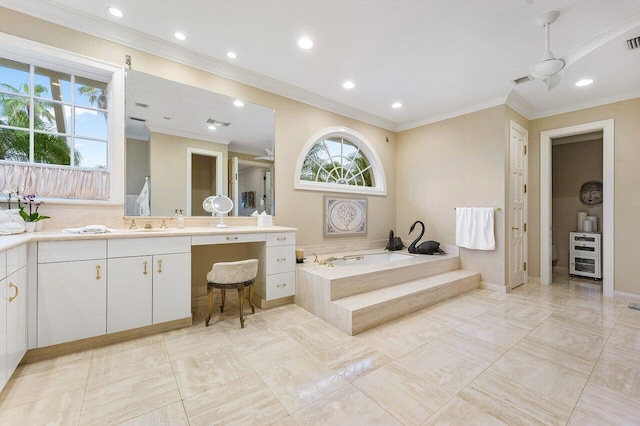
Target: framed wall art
(344, 216)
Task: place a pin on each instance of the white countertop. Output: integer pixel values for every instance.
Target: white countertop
(9, 241)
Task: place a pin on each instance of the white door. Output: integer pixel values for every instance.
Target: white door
(171, 287)
(72, 301)
(16, 319)
(233, 183)
(129, 293)
(518, 137)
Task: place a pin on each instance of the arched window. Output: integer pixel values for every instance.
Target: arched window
(340, 160)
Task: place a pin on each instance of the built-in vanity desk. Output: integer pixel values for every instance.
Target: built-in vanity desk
(59, 288)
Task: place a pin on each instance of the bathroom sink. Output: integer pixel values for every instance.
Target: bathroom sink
(147, 230)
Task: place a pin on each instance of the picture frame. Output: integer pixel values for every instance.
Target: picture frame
(344, 216)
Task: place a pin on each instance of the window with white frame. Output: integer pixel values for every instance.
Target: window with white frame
(340, 160)
(57, 122)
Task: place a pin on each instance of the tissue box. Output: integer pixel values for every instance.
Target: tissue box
(265, 220)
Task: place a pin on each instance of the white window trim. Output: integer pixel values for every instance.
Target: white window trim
(19, 49)
(367, 149)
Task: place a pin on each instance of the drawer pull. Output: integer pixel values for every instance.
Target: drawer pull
(282, 238)
(159, 265)
(281, 285)
(282, 259)
(232, 238)
(144, 264)
(97, 272)
(16, 287)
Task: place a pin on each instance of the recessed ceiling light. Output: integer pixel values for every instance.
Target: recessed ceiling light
(116, 12)
(396, 105)
(238, 103)
(231, 55)
(305, 43)
(211, 127)
(348, 84)
(584, 82)
(180, 36)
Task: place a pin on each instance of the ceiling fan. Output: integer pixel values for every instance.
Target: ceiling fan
(547, 70)
(269, 156)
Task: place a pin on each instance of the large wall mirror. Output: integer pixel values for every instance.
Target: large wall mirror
(185, 144)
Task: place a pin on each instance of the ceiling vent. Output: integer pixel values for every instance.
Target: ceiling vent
(218, 123)
(141, 105)
(633, 43)
(522, 79)
(138, 119)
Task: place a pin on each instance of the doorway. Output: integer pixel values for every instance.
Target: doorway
(546, 191)
(204, 178)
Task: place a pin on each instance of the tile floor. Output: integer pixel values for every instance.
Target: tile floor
(539, 355)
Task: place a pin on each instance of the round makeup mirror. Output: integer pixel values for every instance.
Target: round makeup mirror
(218, 204)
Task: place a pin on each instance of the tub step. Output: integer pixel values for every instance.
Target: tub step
(367, 310)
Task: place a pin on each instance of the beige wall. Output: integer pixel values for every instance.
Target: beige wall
(627, 175)
(169, 170)
(137, 165)
(458, 162)
(573, 164)
(295, 123)
(203, 182)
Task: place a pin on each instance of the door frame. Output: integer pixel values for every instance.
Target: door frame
(608, 165)
(207, 153)
(525, 201)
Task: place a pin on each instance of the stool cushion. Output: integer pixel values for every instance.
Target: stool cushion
(233, 272)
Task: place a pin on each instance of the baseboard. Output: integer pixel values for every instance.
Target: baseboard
(493, 287)
(533, 280)
(624, 295)
(266, 304)
(39, 354)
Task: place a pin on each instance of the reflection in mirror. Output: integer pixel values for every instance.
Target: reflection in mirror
(182, 137)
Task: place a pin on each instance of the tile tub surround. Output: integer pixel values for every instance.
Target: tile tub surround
(358, 297)
(501, 374)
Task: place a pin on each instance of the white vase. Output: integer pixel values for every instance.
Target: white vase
(39, 226)
(31, 226)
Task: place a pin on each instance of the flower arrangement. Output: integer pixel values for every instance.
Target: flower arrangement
(33, 215)
(10, 195)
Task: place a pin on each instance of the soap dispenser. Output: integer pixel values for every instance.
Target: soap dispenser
(180, 218)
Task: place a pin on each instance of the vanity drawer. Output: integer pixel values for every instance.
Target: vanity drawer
(281, 259)
(16, 258)
(3, 265)
(126, 247)
(281, 239)
(281, 285)
(67, 251)
(200, 240)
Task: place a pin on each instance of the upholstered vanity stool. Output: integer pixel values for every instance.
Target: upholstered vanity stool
(232, 275)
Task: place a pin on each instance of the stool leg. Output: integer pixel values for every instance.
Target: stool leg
(210, 299)
(253, 309)
(222, 294)
(241, 304)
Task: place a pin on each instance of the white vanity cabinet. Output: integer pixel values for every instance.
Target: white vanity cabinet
(16, 307)
(149, 281)
(279, 266)
(72, 290)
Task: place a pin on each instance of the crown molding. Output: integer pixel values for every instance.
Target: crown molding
(89, 24)
(623, 96)
(519, 104)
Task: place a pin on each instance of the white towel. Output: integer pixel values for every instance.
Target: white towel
(89, 229)
(11, 222)
(143, 199)
(474, 228)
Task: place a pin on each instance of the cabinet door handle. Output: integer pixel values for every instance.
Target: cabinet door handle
(282, 238)
(159, 265)
(144, 264)
(282, 259)
(16, 287)
(232, 238)
(281, 285)
(97, 272)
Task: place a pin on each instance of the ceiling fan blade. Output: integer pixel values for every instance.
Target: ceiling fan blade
(552, 81)
(599, 39)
